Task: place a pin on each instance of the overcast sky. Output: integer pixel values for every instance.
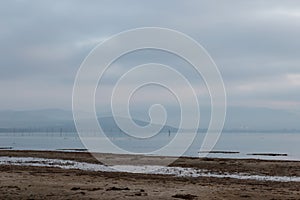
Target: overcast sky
(255, 44)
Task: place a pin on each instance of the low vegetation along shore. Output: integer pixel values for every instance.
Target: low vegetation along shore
(70, 175)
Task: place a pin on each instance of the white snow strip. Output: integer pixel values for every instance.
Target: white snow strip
(145, 169)
(45, 162)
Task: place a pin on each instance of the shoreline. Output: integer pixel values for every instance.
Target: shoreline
(265, 156)
(52, 182)
(139, 169)
(272, 156)
(223, 165)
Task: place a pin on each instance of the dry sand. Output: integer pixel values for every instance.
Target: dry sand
(21, 182)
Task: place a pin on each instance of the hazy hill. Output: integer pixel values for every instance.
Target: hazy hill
(238, 118)
(54, 120)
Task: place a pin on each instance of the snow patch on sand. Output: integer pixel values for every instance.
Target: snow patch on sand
(145, 169)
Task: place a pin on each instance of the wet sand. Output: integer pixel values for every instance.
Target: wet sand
(27, 182)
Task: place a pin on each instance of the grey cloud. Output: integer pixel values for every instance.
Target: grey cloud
(249, 40)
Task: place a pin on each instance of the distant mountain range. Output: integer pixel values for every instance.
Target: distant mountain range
(55, 120)
(238, 119)
(52, 119)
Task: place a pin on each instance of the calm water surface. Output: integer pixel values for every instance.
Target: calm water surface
(244, 143)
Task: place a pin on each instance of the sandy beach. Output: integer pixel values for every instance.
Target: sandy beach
(36, 182)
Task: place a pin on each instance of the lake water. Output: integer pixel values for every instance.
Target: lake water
(241, 143)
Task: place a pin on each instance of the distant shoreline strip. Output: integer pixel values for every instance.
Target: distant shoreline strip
(220, 152)
(249, 154)
(267, 154)
(200, 152)
(6, 148)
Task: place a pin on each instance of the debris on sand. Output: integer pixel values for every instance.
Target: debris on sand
(117, 188)
(184, 196)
